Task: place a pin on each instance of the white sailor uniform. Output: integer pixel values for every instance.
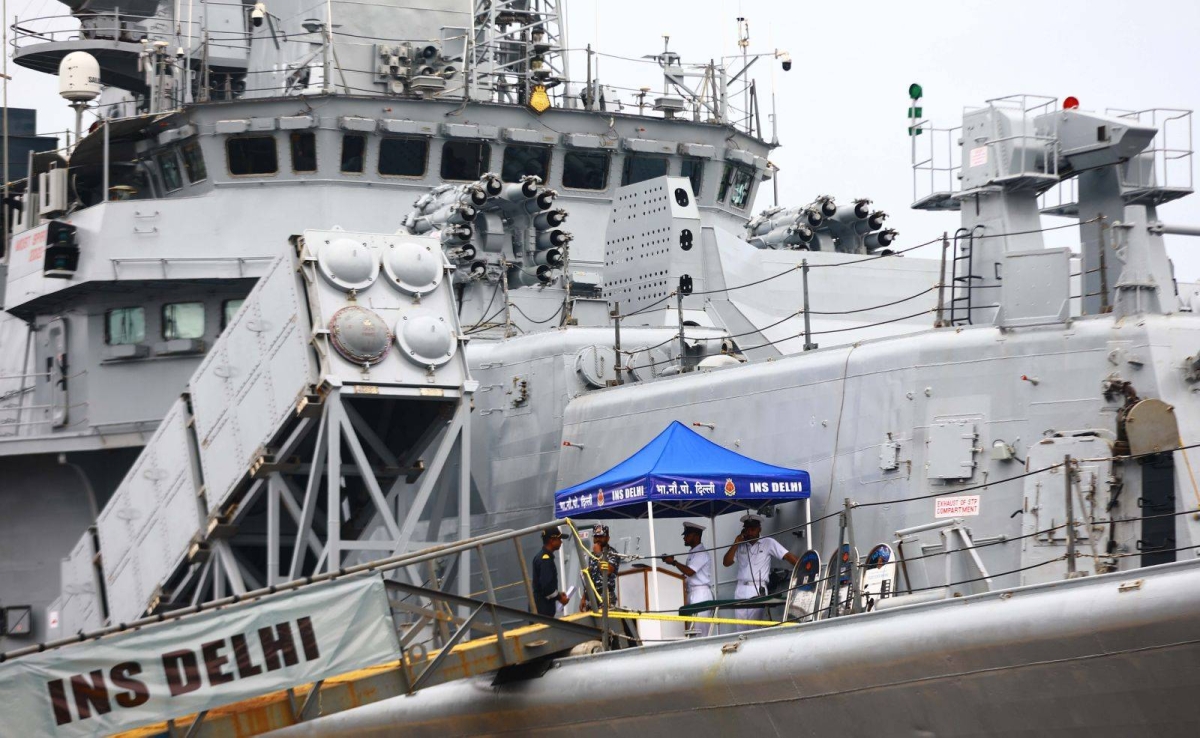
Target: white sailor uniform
(699, 585)
(753, 570)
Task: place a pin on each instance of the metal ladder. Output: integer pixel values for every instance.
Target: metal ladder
(962, 275)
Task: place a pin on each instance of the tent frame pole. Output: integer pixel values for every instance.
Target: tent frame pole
(653, 559)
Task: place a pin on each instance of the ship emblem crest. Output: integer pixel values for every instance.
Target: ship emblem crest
(730, 488)
(599, 497)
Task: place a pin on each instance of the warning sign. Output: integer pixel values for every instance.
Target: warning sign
(979, 156)
(956, 507)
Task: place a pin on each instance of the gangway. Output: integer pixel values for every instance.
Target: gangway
(436, 637)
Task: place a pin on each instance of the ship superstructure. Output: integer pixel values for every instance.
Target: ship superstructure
(280, 181)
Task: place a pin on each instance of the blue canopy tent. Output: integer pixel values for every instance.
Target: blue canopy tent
(681, 474)
(684, 475)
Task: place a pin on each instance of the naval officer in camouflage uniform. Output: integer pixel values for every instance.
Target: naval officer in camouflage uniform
(603, 554)
(546, 594)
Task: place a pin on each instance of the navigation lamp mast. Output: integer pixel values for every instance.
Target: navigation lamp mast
(914, 110)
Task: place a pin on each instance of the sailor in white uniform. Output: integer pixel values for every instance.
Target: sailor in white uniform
(697, 570)
(753, 555)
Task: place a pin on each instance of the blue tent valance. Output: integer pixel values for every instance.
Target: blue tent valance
(684, 475)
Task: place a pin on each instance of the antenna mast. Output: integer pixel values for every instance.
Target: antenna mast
(519, 44)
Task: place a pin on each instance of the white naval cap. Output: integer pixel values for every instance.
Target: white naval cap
(693, 526)
(752, 518)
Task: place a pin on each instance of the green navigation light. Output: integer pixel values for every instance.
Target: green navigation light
(915, 92)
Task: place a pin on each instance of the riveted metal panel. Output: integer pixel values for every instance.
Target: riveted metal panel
(1035, 289)
(218, 459)
(123, 592)
(115, 529)
(952, 448)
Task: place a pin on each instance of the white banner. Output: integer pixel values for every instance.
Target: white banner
(178, 668)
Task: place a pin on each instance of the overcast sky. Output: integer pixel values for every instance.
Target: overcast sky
(842, 107)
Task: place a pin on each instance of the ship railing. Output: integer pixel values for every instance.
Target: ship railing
(164, 263)
(1035, 155)
(1165, 166)
(936, 163)
(1061, 199)
(105, 26)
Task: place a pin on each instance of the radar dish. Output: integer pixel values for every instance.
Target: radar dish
(426, 338)
(360, 335)
(413, 267)
(348, 264)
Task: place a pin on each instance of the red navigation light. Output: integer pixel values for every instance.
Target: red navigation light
(1071, 103)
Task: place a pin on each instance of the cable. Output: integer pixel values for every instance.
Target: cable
(538, 322)
(484, 311)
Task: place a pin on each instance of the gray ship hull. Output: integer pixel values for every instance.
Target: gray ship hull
(1113, 655)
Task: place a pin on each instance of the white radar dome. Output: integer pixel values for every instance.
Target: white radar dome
(79, 77)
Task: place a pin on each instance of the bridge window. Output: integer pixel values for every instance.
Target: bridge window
(465, 160)
(642, 168)
(304, 151)
(193, 162)
(736, 184)
(585, 170)
(229, 309)
(169, 166)
(520, 161)
(124, 326)
(403, 157)
(250, 155)
(693, 169)
(183, 320)
(354, 153)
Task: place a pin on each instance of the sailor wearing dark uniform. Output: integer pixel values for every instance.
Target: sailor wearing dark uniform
(697, 570)
(546, 594)
(753, 555)
(603, 557)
